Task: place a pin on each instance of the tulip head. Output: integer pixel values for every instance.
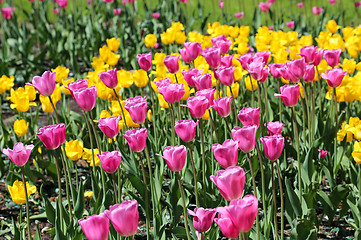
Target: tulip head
(175, 157)
(245, 137)
(20, 154)
(273, 146)
(186, 129)
(95, 227)
(249, 116)
(334, 76)
(110, 160)
(289, 94)
(136, 139)
(226, 154)
(45, 84)
(202, 218)
(223, 106)
(85, 97)
(109, 78)
(137, 108)
(145, 61)
(52, 136)
(171, 63)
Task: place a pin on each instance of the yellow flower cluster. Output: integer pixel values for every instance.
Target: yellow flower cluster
(17, 191)
(350, 130)
(22, 98)
(356, 154)
(6, 83)
(150, 40)
(20, 127)
(349, 90)
(174, 33)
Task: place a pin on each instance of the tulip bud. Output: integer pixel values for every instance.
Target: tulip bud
(95, 227)
(136, 139)
(249, 116)
(273, 146)
(226, 154)
(145, 61)
(186, 129)
(52, 136)
(20, 154)
(245, 137)
(202, 218)
(175, 157)
(110, 160)
(45, 84)
(289, 94)
(109, 78)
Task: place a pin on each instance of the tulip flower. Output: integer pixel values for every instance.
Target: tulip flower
(274, 128)
(17, 191)
(290, 24)
(202, 218)
(226, 75)
(20, 154)
(223, 106)
(110, 160)
(226, 154)
(172, 93)
(45, 84)
(56, 11)
(62, 3)
(230, 182)
(207, 93)
(300, 5)
(245, 60)
(175, 157)
(323, 153)
(309, 73)
(197, 106)
(227, 61)
(212, 56)
(245, 137)
(52, 136)
(95, 227)
(311, 55)
(7, 12)
(116, 11)
(20, 127)
(249, 116)
(171, 63)
(137, 108)
(186, 129)
(332, 2)
(289, 94)
(192, 50)
(257, 71)
(145, 61)
(109, 78)
(274, 69)
(317, 10)
(124, 217)
(264, 6)
(227, 227)
(273, 146)
(156, 15)
(72, 86)
(85, 97)
(332, 57)
(190, 74)
(109, 126)
(357, 4)
(136, 139)
(222, 43)
(334, 76)
(203, 81)
(239, 15)
(264, 55)
(74, 149)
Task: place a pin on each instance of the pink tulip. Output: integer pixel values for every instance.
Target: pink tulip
(171, 63)
(300, 5)
(357, 4)
(79, 84)
(175, 157)
(95, 227)
(110, 160)
(334, 76)
(52, 136)
(226, 61)
(109, 126)
(156, 15)
(184, 1)
(186, 129)
(85, 97)
(270, 28)
(317, 10)
(117, 11)
(332, 57)
(145, 61)
(220, 4)
(186, 58)
(289, 94)
(203, 81)
(45, 84)
(62, 3)
(89, 2)
(311, 55)
(197, 106)
(109, 78)
(202, 218)
(172, 93)
(249, 116)
(264, 6)
(290, 24)
(7, 12)
(265, 55)
(222, 106)
(56, 11)
(239, 15)
(245, 137)
(207, 93)
(230, 182)
(257, 71)
(136, 139)
(293, 71)
(273, 146)
(274, 128)
(323, 153)
(137, 108)
(274, 69)
(226, 154)
(190, 74)
(227, 227)
(226, 75)
(212, 56)
(162, 83)
(108, 1)
(332, 2)
(271, 1)
(20, 154)
(309, 73)
(245, 59)
(124, 217)
(221, 42)
(193, 49)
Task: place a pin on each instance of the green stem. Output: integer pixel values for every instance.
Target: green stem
(203, 157)
(260, 107)
(60, 201)
(115, 189)
(252, 101)
(335, 99)
(153, 108)
(213, 125)
(119, 185)
(303, 120)
(147, 202)
(91, 140)
(308, 112)
(184, 207)
(279, 103)
(264, 89)
(282, 201)
(312, 112)
(320, 95)
(121, 108)
(27, 204)
(55, 112)
(298, 154)
(254, 191)
(151, 181)
(67, 177)
(234, 105)
(263, 182)
(194, 174)
(274, 202)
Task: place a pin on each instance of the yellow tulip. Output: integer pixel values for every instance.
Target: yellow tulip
(251, 83)
(61, 74)
(356, 154)
(162, 102)
(149, 115)
(235, 90)
(87, 155)
(20, 100)
(74, 149)
(88, 194)
(20, 127)
(6, 83)
(124, 78)
(140, 78)
(332, 26)
(17, 191)
(65, 84)
(55, 97)
(113, 44)
(206, 115)
(150, 40)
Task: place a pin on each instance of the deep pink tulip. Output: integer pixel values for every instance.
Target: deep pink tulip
(245, 137)
(223, 106)
(193, 49)
(295, 70)
(270, 28)
(110, 160)
(271, 1)
(109, 78)
(227, 227)
(274, 128)
(309, 73)
(20, 154)
(300, 5)
(79, 84)
(117, 11)
(172, 93)
(186, 129)
(273, 146)
(332, 57)
(311, 55)
(241, 212)
(45, 84)
(108, 1)
(226, 75)
(137, 108)
(95, 227)
(332, 2)
(52, 136)
(109, 126)
(145, 61)
(226, 61)
(257, 70)
(136, 139)
(203, 81)
(197, 106)
(171, 63)
(289, 94)
(220, 4)
(274, 69)
(265, 55)
(124, 217)
(317, 10)
(62, 3)
(186, 58)
(202, 218)
(184, 1)
(85, 97)
(230, 182)
(245, 59)
(56, 11)
(212, 56)
(226, 154)
(357, 4)
(209, 94)
(249, 116)
(156, 15)
(334, 76)
(175, 157)
(239, 15)
(323, 153)
(162, 83)
(7, 12)
(221, 42)
(190, 74)
(264, 6)
(290, 24)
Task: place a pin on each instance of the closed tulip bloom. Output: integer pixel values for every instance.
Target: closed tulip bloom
(227, 227)
(203, 81)
(230, 182)
(45, 84)
(227, 61)
(273, 146)
(52, 136)
(226, 75)
(20, 127)
(79, 84)
(332, 57)
(249, 116)
(255, 68)
(74, 149)
(274, 128)
(239, 15)
(136, 139)
(289, 94)
(290, 24)
(334, 76)
(186, 58)
(20, 154)
(175, 157)
(124, 217)
(17, 191)
(311, 55)
(245, 59)
(110, 160)
(317, 10)
(223, 106)
(137, 108)
(86, 97)
(212, 56)
(300, 5)
(190, 74)
(95, 227)
(171, 63)
(264, 55)
(226, 154)
(116, 11)
(323, 153)
(145, 61)
(155, 15)
(172, 93)
(297, 68)
(109, 78)
(245, 137)
(193, 49)
(202, 218)
(357, 4)
(264, 6)
(162, 83)
(209, 94)
(309, 73)
(197, 106)
(109, 126)
(7, 12)
(186, 129)
(222, 43)
(274, 69)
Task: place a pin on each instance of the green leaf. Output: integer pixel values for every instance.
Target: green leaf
(49, 209)
(79, 206)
